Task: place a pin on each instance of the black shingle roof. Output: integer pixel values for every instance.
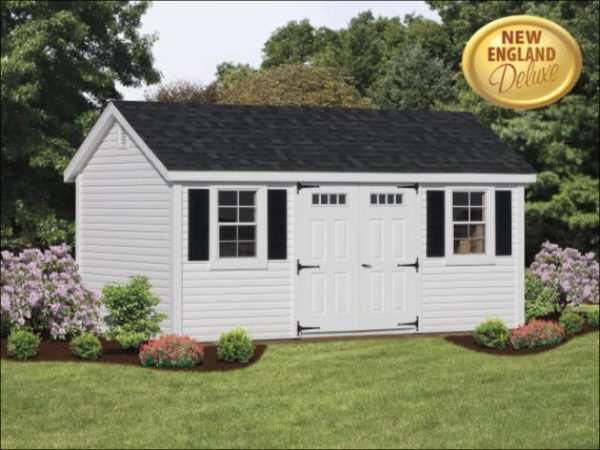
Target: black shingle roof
(275, 138)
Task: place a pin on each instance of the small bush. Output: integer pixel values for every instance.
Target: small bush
(131, 309)
(537, 333)
(571, 321)
(86, 346)
(23, 344)
(172, 351)
(539, 299)
(492, 333)
(593, 317)
(235, 346)
(131, 340)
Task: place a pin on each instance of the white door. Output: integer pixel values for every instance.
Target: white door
(389, 242)
(327, 244)
(354, 258)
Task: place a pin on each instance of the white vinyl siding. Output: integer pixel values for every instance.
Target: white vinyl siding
(124, 219)
(260, 300)
(459, 297)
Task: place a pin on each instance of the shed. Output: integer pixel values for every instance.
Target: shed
(296, 221)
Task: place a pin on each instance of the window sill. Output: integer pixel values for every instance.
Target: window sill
(238, 263)
(470, 260)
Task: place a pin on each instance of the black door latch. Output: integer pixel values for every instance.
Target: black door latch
(299, 267)
(300, 328)
(415, 265)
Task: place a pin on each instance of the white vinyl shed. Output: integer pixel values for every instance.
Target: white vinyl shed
(300, 221)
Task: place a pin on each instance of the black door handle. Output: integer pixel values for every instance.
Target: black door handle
(366, 266)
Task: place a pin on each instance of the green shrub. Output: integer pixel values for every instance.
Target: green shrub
(593, 317)
(131, 309)
(5, 325)
(539, 299)
(571, 321)
(131, 340)
(86, 346)
(235, 346)
(23, 344)
(492, 333)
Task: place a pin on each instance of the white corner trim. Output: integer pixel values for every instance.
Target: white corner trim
(109, 116)
(348, 177)
(519, 194)
(177, 257)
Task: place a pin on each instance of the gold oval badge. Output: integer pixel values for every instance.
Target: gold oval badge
(522, 62)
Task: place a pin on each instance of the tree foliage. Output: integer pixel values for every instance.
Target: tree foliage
(297, 85)
(183, 91)
(60, 63)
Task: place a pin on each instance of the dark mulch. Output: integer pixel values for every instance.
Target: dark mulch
(467, 341)
(112, 353)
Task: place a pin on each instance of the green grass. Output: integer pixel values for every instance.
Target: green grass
(416, 393)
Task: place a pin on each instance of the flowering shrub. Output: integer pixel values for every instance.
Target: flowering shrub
(573, 276)
(172, 351)
(43, 292)
(537, 333)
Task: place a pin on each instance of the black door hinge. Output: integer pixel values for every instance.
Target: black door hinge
(300, 328)
(306, 186)
(415, 265)
(411, 324)
(414, 186)
(299, 267)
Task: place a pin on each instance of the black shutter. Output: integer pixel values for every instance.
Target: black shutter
(198, 225)
(277, 223)
(503, 223)
(436, 224)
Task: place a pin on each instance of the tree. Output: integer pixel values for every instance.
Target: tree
(230, 75)
(60, 64)
(293, 43)
(399, 88)
(298, 85)
(183, 91)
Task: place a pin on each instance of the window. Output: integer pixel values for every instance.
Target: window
(386, 199)
(237, 223)
(329, 199)
(468, 222)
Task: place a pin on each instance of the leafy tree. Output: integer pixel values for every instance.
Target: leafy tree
(230, 75)
(291, 44)
(183, 91)
(298, 85)
(560, 140)
(399, 88)
(360, 51)
(60, 64)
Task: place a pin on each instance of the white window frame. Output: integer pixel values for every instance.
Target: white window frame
(260, 260)
(469, 259)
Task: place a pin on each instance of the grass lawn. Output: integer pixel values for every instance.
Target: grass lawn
(416, 393)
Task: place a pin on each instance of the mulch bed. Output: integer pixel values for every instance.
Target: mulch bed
(467, 341)
(112, 353)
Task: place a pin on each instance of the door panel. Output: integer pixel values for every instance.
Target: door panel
(328, 294)
(388, 293)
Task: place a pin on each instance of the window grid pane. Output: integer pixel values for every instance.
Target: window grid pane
(468, 217)
(237, 209)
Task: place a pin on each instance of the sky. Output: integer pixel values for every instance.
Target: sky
(194, 37)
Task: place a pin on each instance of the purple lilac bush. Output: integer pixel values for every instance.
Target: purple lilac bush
(572, 275)
(43, 292)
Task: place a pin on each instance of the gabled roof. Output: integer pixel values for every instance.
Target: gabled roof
(198, 137)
